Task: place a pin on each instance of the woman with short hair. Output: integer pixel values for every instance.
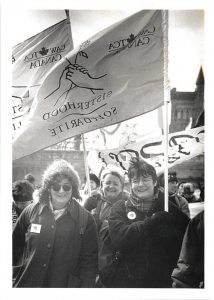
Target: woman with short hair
(111, 190)
(146, 238)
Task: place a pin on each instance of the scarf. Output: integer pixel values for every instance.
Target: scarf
(141, 204)
(57, 212)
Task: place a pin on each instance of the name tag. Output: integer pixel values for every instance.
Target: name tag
(36, 228)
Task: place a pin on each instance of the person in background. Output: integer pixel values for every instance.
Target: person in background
(91, 201)
(180, 188)
(188, 192)
(30, 178)
(147, 238)
(55, 239)
(22, 191)
(201, 187)
(197, 195)
(178, 200)
(94, 182)
(174, 197)
(189, 272)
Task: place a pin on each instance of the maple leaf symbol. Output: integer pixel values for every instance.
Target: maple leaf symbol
(44, 51)
(131, 38)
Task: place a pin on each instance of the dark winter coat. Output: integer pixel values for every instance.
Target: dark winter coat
(149, 244)
(92, 201)
(15, 213)
(55, 254)
(102, 206)
(181, 203)
(190, 269)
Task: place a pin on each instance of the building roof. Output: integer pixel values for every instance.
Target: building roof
(200, 78)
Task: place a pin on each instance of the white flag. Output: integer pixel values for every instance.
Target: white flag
(113, 76)
(32, 60)
(182, 146)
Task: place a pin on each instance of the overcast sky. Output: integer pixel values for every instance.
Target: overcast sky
(186, 35)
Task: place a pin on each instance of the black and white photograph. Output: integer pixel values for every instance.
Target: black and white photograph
(103, 147)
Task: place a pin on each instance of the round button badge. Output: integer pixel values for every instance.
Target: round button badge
(131, 215)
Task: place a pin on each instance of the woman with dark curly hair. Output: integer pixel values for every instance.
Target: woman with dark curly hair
(55, 239)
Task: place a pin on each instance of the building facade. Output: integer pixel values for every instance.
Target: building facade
(188, 111)
(37, 162)
(187, 106)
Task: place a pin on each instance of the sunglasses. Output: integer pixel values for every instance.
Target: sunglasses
(57, 187)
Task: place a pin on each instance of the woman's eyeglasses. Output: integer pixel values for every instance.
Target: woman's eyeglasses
(57, 187)
(141, 178)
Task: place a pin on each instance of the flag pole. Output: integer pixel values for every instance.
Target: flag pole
(86, 166)
(83, 139)
(165, 107)
(69, 28)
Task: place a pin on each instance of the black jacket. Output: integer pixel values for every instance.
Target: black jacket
(149, 244)
(189, 272)
(54, 253)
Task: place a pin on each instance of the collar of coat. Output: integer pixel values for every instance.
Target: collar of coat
(72, 208)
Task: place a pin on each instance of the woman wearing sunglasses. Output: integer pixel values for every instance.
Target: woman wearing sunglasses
(55, 240)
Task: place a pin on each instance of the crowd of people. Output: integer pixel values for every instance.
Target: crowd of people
(113, 238)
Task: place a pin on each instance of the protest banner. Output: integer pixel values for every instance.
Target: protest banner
(182, 146)
(113, 76)
(32, 60)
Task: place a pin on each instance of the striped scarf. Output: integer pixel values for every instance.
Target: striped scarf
(141, 204)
